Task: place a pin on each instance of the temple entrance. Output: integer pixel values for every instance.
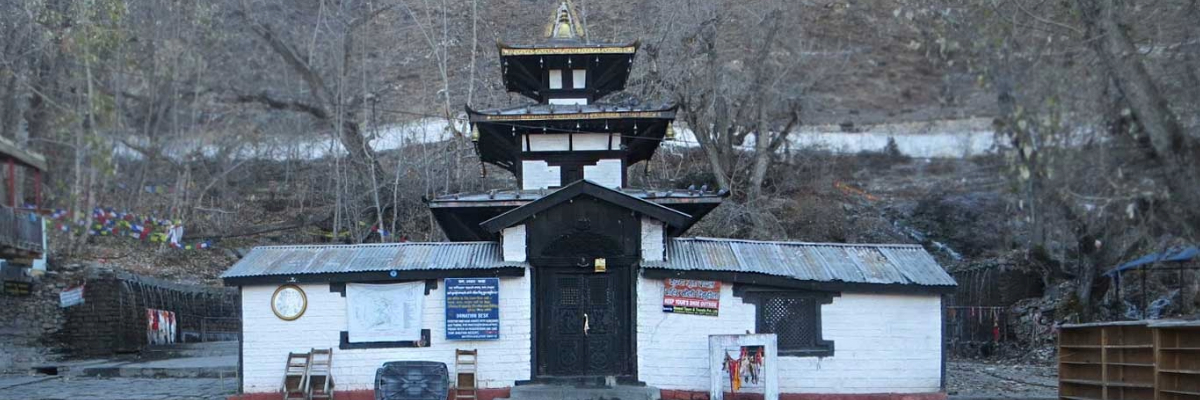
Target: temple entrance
(584, 245)
(584, 324)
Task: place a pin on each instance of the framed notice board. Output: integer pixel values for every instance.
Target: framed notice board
(472, 308)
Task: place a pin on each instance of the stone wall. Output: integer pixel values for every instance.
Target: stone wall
(112, 318)
(29, 324)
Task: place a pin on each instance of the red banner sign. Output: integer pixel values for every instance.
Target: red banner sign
(690, 296)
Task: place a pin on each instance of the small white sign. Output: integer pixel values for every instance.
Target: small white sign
(71, 296)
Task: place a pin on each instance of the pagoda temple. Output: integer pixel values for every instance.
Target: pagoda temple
(574, 285)
(570, 134)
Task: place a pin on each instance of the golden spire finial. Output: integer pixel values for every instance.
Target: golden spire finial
(564, 24)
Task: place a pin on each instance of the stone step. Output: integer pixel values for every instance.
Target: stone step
(204, 349)
(190, 367)
(560, 392)
(72, 367)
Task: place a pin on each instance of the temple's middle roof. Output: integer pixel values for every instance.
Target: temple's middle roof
(576, 111)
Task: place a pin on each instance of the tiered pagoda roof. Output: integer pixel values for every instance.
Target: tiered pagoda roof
(642, 128)
(570, 134)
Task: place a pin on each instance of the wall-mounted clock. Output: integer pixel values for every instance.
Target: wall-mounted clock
(289, 302)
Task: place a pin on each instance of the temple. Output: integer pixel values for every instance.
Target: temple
(570, 134)
(572, 284)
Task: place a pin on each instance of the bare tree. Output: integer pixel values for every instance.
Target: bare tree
(327, 102)
(729, 95)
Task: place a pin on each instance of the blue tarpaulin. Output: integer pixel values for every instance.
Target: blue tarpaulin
(1172, 255)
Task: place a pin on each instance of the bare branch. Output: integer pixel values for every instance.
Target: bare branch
(266, 100)
(293, 59)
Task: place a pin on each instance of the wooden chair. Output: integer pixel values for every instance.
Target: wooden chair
(320, 375)
(295, 376)
(466, 364)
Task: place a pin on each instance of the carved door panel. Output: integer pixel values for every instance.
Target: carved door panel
(565, 337)
(583, 324)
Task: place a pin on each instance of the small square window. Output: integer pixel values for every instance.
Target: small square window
(795, 319)
(556, 79)
(579, 78)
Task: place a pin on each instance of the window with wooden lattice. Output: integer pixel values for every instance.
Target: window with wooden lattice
(795, 319)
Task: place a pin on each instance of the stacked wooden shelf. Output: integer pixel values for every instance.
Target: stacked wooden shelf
(1111, 361)
(1130, 361)
(1178, 354)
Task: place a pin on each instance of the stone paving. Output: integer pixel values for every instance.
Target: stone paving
(996, 380)
(79, 388)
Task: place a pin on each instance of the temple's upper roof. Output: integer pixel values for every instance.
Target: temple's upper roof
(565, 23)
(566, 35)
(566, 48)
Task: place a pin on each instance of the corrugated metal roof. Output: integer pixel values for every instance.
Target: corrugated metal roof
(299, 260)
(820, 262)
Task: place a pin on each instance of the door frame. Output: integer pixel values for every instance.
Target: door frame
(538, 273)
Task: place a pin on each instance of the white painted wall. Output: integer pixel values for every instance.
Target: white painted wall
(953, 138)
(653, 242)
(565, 142)
(268, 339)
(596, 141)
(546, 142)
(606, 172)
(568, 101)
(512, 240)
(536, 174)
(929, 145)
(883, 343)
(579, 78)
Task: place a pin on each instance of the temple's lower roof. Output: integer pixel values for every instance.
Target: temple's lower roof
(821, 266)
(841, 263)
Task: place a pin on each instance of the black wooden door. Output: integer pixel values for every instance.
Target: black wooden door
(583, 323)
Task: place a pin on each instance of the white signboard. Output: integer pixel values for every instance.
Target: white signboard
(71, 296)
(384, 313)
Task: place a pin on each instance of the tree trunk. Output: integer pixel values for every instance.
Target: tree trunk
(1178, 151)
(1121, 58)
(361, 154)
(713, 137)
(762, 154)
(9, 114)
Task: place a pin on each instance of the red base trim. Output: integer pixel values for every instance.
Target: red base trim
(484, 394)
(492, 394)
(695, 395)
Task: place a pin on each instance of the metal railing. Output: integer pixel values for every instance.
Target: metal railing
(21, 230)
(210, 329)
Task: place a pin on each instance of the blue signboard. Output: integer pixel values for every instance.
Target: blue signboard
(472, 308)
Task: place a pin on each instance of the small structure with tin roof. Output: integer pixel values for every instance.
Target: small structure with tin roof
(21, 236)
